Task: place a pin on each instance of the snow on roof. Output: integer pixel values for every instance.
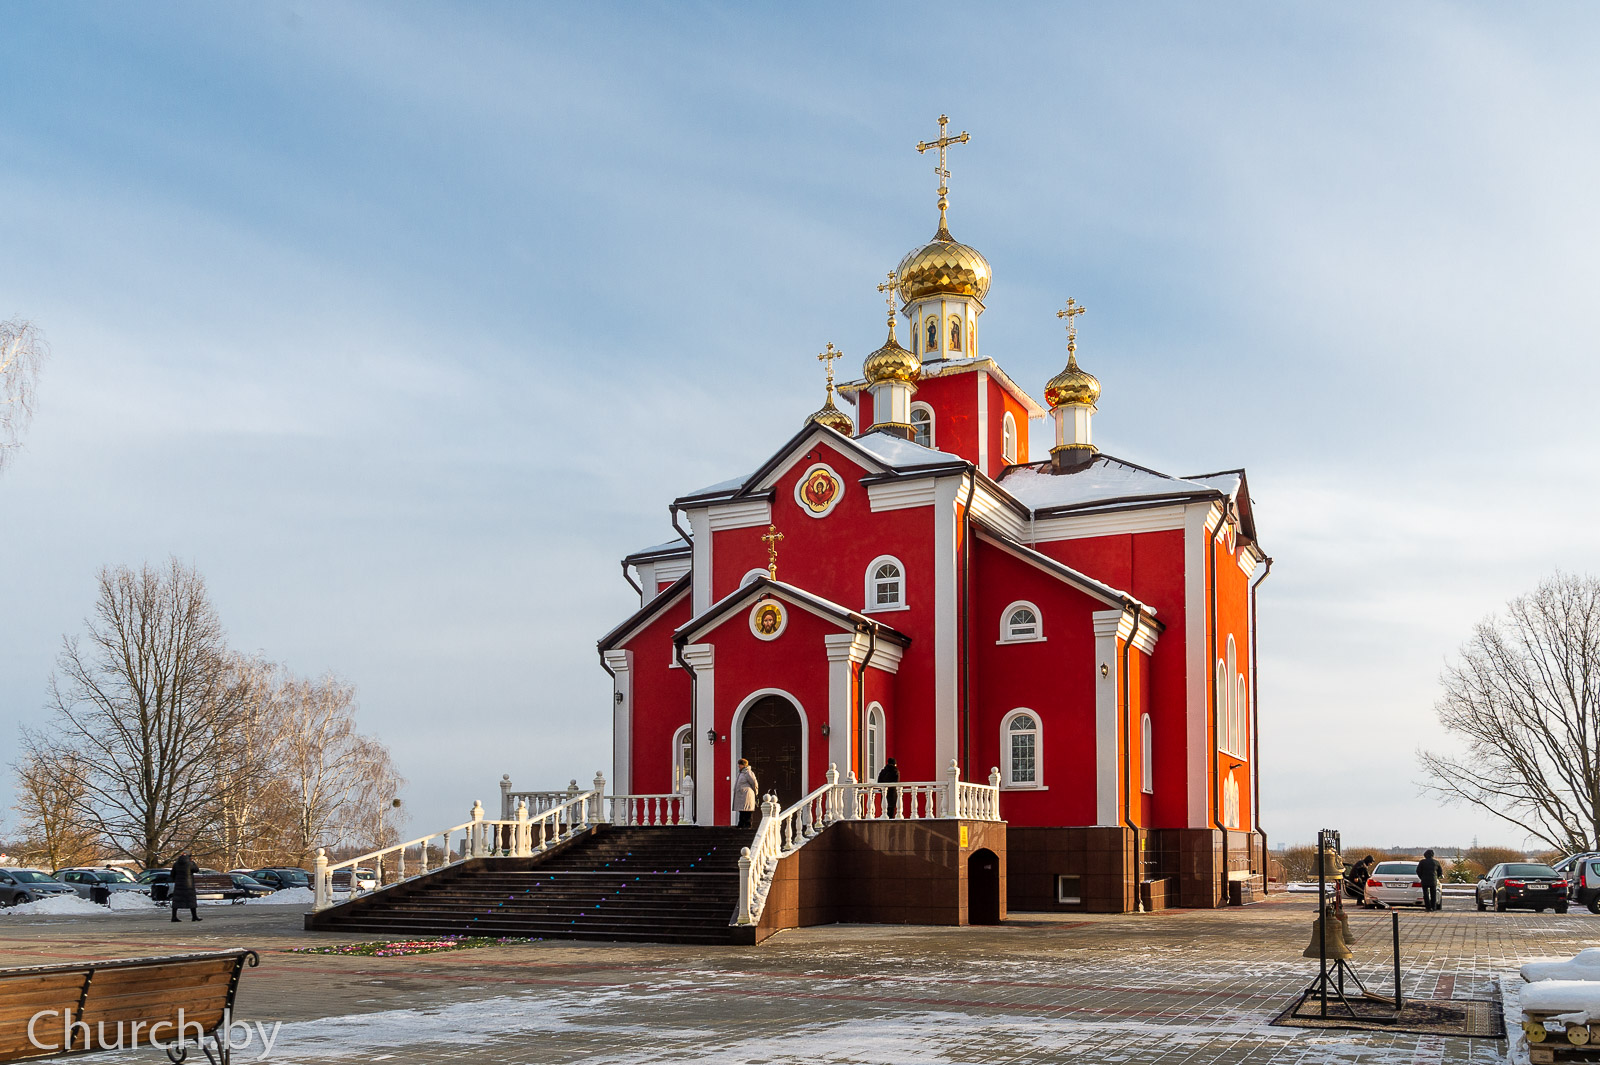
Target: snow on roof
(733, 484)
(671, 547)
(1227, 482)
(1101, 481)
(902, 454)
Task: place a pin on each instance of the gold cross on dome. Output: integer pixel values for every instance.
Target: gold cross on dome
(888, 288)
(828, 357)
(944, 141)
(1073, 309)
(771, 540)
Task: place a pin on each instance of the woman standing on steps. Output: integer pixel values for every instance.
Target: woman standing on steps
(744, 793)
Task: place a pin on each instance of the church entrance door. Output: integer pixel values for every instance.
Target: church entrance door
(769, 736)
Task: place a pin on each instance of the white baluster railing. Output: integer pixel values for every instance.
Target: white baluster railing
(519, 837)
(781, 832)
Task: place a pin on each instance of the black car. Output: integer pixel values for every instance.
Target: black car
(280, 877)
(160, 882)
(18, 886)
(1523, 886)
(1583, 879)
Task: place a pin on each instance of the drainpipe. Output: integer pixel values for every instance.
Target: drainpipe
(966, 627)
(694, 734)
(1211, 670)
(673, 512)
(1127, 751)
(1255, 719)
(861, 701)
(629, 578)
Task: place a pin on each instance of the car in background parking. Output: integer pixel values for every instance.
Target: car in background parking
(1523, 886)
(1583, 882)
(1395, 883)
(1570, 866)
(282, 877)
(19, 886)
(247, 886)
(159, 881)
(99, 884)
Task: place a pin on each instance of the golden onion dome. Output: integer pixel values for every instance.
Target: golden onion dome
(944, 266)
(1072, 386)
(891, 362)
(834, 418)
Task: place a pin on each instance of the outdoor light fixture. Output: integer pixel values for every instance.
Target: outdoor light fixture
(827, 730)
(618, 696)
(711, 735)
(1105, 670)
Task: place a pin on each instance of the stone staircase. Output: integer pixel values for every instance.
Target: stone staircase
(642, 884)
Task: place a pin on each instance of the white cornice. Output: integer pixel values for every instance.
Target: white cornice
(700, 655)
(1078, 526)
(617, 660)
(886, 656)
(902, 495)
(740, 515)
(845, 645)
(669, 570)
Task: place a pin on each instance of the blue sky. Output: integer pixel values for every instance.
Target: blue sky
(403, 322)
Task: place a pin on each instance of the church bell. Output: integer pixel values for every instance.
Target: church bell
(1338, 936)
(1332, 864)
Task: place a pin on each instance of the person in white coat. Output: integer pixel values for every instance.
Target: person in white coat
(744, 793)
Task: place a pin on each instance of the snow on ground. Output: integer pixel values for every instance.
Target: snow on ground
(295, 896)
(55, 906)
(1585, 965)
(131, 901)
(1511, 986)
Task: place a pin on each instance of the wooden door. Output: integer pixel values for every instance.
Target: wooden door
(769, 736)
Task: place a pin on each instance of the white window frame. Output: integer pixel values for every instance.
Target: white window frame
(1008, 779)
(753, 574)
(874, 745)
(1230, 731)
(1147, 767)
(1008, 439)
(1007, 636)
(916, 406)
(677, 756)
(870, 598)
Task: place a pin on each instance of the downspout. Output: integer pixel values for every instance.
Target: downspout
(673, 512)
(861, 702)
(1255, 719)
(1211, 671)
(694, 733)
(1127, 756)
(966, 627)
(629, 578)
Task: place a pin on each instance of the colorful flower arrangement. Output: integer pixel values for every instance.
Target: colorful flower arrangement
(401, 948)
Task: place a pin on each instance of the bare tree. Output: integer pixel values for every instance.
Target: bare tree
(22, 352)
(141, 703)
(49, 797)
(1524, 697)
(249, 805)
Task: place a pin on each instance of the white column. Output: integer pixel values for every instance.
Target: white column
(700, 529)
(946, 661)
(700, 657)
(1108, 626)
(844, 649)
(983, 421)
(621, 663)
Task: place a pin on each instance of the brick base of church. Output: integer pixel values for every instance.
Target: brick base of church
(1113, 870)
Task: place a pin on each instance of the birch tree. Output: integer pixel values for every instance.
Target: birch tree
(1523, 696)
(140, 702)
(22, 353)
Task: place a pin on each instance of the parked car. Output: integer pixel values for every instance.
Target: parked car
(98, 885)
(159, 881)
(280, 877)
(18, 886)
(365, 879)
(1572, 863)
(1583, 883)
(1523, 886)
(1395, 883)
(247, 886)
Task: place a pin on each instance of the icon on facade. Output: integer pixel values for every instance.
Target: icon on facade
(767, 620)
(818, 490)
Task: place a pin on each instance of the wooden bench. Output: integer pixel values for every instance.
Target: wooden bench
(118, 1004)
(216, 886)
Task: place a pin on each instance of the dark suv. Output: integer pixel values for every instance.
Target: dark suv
(280, 877)
(1523, 886)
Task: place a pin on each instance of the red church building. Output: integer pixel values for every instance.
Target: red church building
(913, 583)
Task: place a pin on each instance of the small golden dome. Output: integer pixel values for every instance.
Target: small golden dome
(834, 418)
(943, 266)
(891, 362)
(1072, 386)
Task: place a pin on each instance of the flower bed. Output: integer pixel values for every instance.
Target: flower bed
(403, 947)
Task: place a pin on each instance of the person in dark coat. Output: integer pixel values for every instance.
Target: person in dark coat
(890, 774)
(182, 894)
(1356, 879)
(1429, 871)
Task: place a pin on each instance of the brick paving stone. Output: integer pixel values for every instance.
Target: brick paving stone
(1189, 987)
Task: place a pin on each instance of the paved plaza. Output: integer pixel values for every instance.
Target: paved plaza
(1183, 986)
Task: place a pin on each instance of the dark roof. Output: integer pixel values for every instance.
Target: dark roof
(670, 549)
(669, 595)
(763, 586)
(1098, 589)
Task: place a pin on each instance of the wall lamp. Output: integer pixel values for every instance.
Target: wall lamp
(711, 735)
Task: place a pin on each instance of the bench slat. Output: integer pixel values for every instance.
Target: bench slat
(26, 985)
(115, 981)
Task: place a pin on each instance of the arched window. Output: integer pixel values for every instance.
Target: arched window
(915, 335)
(922, 424)
(1147, 768)
(1222, 701)
(1242, 719)
(874, 744)
(1008, 438)
(1230, 802)
(1229, 691)
(933, 334)
(955, 333)
(682, 757)
(1021, 622)
(752, 575)
(886, 584)
(1019, 750)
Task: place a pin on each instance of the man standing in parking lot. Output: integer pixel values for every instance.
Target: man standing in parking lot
(182, 894)
(1429, 871)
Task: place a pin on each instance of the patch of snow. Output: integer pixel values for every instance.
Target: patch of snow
(295, 896)
(54, 906)
(131, 901)
(1585, 965)
(902, 453)
(1103, 479)
(1564, 996)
